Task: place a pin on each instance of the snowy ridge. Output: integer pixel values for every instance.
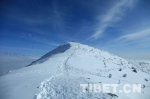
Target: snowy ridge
(58, 75)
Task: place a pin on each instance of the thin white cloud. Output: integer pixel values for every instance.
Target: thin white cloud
(58, 16)
(112, 16)
(134, 36)
(140, 37)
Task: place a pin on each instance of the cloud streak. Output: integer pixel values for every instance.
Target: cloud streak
(139, 37)
(112, 16)
(134, 36)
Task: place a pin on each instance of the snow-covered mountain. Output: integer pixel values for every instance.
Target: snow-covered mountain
(59, 73)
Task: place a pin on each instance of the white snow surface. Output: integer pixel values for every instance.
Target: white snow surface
(59, 73)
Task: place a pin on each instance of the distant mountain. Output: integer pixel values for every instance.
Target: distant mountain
(59, 73)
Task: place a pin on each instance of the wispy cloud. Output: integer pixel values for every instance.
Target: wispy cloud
(139, 37)
(58, 16)
(112, 16)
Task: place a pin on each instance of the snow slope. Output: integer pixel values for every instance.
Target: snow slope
(59, 73)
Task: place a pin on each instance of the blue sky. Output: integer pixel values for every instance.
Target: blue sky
(34, 27)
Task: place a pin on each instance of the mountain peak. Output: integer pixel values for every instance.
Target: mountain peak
(82, 49)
